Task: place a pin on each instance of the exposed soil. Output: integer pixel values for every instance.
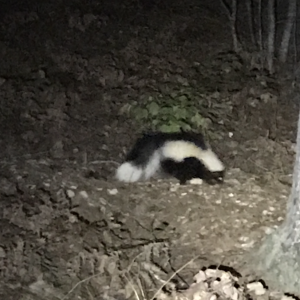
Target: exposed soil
(69, 231)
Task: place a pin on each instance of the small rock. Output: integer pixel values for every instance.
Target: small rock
(57, 151)
(84, 194)
(2, 80)
(73, 219)
(112, 191)
(196, 181)
(70, 194)
(2, 253)
(257, 288)
(7, 188)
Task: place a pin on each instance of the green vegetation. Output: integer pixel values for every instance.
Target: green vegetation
(172, 112)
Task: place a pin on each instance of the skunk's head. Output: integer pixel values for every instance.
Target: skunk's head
(197, 169)
(214, 177)
(213, 169)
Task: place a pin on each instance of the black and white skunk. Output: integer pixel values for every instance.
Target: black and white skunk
(182, 155)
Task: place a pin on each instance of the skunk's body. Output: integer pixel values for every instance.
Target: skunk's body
(182, 155)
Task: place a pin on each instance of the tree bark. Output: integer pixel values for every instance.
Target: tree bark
(259, 26)
(291, 16)
(279, 257)
(295, 56)
(231, 12)
(250, 20)
(271, 35)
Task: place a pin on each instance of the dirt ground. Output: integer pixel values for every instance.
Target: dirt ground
(69, 231)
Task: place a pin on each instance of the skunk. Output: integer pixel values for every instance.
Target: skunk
(182, 155)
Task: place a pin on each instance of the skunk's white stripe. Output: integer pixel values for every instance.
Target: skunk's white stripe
(211, 161)
(179, 150)
(128, 172)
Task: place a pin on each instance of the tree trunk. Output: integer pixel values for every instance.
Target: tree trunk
(291, 16)
(259, 26)
(271, 35)
(231, 12)
(250, 20)
(279, 256)
(295, 45)
(233, 26)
